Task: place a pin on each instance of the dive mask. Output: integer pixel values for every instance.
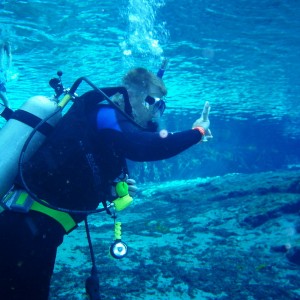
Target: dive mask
(159, 105)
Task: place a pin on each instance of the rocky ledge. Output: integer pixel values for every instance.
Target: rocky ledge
(230, 237)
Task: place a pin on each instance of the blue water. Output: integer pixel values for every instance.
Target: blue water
(242, 56)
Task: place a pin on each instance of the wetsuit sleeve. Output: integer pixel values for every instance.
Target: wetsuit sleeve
(147, 146)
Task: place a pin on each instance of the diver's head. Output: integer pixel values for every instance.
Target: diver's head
(145, 92)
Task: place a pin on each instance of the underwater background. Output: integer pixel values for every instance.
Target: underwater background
(242, 57)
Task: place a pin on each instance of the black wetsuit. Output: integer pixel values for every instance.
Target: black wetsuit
(60, 174)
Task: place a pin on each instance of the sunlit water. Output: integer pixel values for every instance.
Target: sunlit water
(242, 56)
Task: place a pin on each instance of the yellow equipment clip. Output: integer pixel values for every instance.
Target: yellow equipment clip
(124, 198)
(65, 100)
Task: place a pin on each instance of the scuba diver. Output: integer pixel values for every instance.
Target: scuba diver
(5, 62)
(74, 170)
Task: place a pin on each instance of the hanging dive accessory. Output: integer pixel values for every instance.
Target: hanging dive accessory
(92, 285)
(118, 249)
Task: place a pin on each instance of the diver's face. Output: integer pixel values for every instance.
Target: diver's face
(143, 112)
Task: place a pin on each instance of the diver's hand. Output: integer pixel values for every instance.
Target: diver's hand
(132, 188)
(204, 122)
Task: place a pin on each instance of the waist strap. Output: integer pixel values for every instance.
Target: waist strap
(20, 201)
(64, 219)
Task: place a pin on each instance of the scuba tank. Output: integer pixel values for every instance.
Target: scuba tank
(16, 131)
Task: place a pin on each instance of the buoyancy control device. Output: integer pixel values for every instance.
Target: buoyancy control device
(33, 122)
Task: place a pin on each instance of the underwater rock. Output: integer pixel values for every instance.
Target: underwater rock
(227, 237)
(293, 255)
(288, 208)
(280, 249)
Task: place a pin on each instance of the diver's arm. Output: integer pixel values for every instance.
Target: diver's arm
(137, 145)
(3, 98)
(147, 146)
(7, 53)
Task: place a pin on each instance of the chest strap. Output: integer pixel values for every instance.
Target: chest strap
(5, 112)
(32, 121)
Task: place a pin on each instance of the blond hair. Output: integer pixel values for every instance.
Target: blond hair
(142, 79)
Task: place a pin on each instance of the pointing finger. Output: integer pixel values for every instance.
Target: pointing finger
(205, 111)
